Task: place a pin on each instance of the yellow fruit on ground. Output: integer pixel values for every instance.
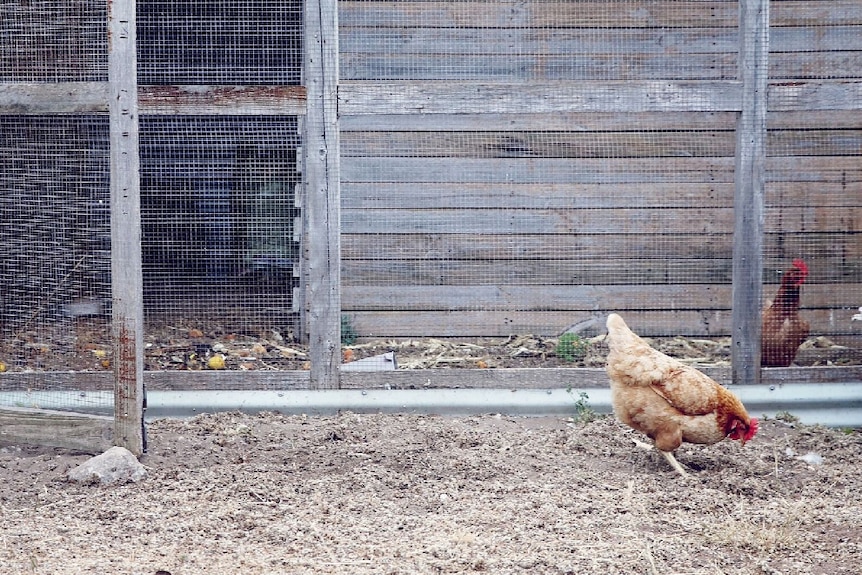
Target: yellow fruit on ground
(216, 362)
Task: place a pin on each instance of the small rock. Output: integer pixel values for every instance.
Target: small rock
(116, 465)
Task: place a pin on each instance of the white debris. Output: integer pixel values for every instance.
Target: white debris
(811, 458)
(382, 362)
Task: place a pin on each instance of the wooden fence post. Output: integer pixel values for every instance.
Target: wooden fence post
(748, 196)
(126, 272)
(320, 147)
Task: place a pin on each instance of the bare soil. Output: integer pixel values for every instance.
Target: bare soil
(414, 494)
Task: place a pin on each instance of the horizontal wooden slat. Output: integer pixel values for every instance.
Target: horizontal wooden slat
(794, 66)
(815, 36)
(219, 100)
(584, 298)
(569, 378)
(814, 95)
(585, 42)
(826, 249)
(537, 97)
(604, 144)
(819, 119)
(547, 196)
(54, 98)
(542, 170)
(547, 323)
(536, 272)
(386, 195)
(593, 221)
(512, 14)
(556, 144)
(823, 194)
(554, 121)
(617, 271)
(551, 41)
(526, 68)
(512, 378)
(489, 323)
(593, 122)
(84, 97)
(817, 13)
(589, 170)
(571, 246)
(87, 433)
(587, 221)
(660, 14)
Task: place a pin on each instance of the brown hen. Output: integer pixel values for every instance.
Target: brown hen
(669, 401)
(783, 330)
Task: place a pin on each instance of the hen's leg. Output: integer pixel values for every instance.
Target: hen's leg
(673, 462)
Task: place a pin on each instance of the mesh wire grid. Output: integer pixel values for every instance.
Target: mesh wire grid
(54, 255)
(499, 224)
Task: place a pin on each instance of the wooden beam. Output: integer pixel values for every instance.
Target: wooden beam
(514, 378)
(126, 271)
(92, 97)
(24, 426)
(813, 95)
(748, 197)
(58, 98)
(322, 246)
(539, 97)
(222, 100)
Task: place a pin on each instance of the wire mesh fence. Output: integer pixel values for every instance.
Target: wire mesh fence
(220, 217)
(529, 223)
(509, 171)
(54, 252)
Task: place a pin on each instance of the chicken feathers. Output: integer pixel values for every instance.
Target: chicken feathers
(783, 330)
(667, 400)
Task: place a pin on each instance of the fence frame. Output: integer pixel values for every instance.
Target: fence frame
(320, 103)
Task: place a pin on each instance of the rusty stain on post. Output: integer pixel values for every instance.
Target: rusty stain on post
(126, 267)
(289, 100)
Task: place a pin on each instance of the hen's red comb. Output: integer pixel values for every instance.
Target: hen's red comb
(801, 266)
(752, 428)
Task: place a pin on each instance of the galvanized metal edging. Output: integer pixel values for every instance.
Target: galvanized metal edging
(828, 404)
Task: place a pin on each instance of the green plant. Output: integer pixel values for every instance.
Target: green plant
(583, 412)
(348, 332)
(571, 347)
(786, 417)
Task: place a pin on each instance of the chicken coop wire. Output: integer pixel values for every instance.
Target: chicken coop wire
(490, 223)
(813, 193)
(220, 201)
(46, 41)
(54, 252)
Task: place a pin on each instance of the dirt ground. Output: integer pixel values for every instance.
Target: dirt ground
(415, 494)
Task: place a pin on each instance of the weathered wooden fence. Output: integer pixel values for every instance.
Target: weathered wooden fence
(419, 168)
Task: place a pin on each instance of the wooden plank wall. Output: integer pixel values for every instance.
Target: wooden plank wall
(512, 167)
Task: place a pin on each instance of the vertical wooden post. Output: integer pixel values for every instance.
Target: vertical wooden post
(748, 197)
(126, 273)
(322, 249)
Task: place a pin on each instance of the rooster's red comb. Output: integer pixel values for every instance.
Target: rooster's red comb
(801, 266)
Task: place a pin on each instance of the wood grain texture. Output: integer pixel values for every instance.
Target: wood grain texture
(126, 264)
(322, 174)
(86, 433)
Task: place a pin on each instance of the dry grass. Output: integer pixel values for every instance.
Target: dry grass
(404, 494)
